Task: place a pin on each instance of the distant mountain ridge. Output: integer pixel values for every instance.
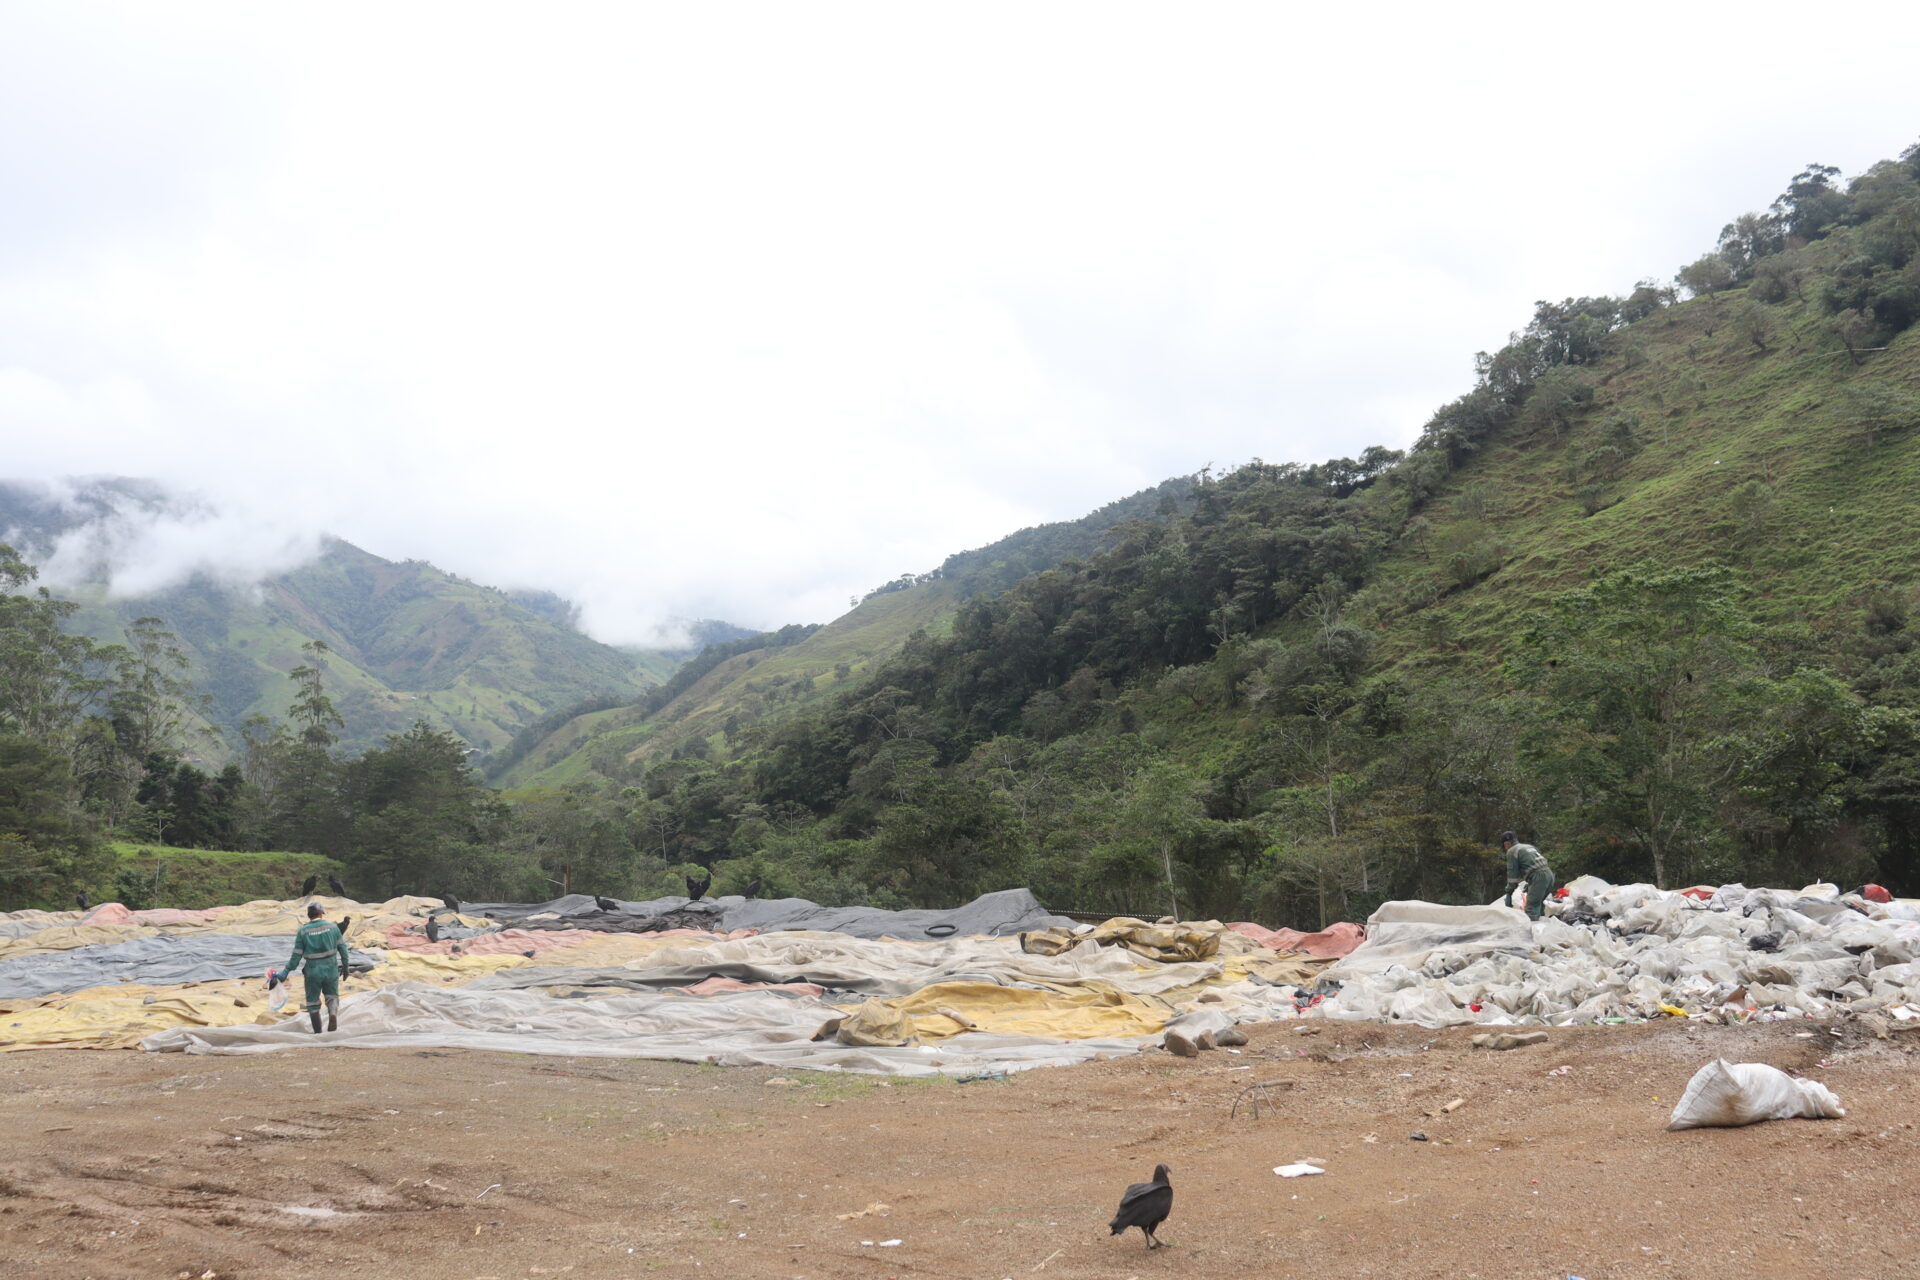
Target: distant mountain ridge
(408, 641)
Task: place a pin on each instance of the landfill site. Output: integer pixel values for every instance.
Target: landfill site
(1707, 1082)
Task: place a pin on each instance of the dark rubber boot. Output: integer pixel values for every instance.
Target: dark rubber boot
(314, 1018)
(333, 1022)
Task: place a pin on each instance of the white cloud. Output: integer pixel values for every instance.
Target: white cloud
(739, 310)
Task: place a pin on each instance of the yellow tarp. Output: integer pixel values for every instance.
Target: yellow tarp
(117, 1017)
(1088, 1012)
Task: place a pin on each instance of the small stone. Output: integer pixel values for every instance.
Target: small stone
(781, 1082)
(1230, 1037)
(1180, 1046)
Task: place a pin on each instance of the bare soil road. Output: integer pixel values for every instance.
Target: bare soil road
(462, 1164)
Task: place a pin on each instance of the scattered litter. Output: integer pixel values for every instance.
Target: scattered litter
(1416, 1136)
(1298, 1170)
(304, 1211)
(978, 1076)
(483, 1194)
(1727, 1094)
(874, 1210)
(1508, 1039)
(1560, 1071)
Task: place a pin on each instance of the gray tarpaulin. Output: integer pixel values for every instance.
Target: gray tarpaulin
(994, 915)
(869, 966)
(750, 1028)
(156, 961)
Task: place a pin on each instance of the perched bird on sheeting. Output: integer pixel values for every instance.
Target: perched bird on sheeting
(306, 890)
(452, 903)
(753, 888)
(85, 903)
(1145, 1205)
(605, 904)
(697, 889)
(339, 890)
(346, 922)
(433, 929)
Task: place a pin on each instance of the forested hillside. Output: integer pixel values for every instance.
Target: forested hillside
(742, 686)
(1645, 592)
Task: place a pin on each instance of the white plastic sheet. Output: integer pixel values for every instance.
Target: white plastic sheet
(750, 1028)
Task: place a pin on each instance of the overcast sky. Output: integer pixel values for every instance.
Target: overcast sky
(735, 310)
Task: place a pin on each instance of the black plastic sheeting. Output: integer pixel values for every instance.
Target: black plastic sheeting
(157, 961)
(993, 915)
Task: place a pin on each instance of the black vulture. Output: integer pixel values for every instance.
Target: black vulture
(606, 904)
(346, 922)
(306, 890)
(339, 890)
(452, 903)
(1145, 1205)
(753, 888)
(82, 899)
(433, 929)
(697, 889)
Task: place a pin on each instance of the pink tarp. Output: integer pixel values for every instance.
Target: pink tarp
(717, 985)
(114, 913)
(1330, 943)
(408, 937)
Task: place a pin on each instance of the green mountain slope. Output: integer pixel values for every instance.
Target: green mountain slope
(408, 641)
(1644, 593)
(758, 685)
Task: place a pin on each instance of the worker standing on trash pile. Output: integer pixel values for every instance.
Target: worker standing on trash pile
(1526, 863)
(320, 946)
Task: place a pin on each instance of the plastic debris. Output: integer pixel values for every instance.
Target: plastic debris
(1301, 1170)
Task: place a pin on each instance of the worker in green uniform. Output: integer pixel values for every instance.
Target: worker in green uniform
(1524, 862)
(320, 946)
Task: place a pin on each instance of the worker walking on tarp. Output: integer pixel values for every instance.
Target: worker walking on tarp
(323, 950)
(1526, 863)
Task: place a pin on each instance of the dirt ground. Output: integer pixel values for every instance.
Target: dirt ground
(463, 1164)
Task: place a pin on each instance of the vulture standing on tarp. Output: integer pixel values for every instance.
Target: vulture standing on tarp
(433, 929)
(306, 890)
(753, 889)
(606, 904)
(1145, 1205)
(452, 903)
(81, 898)
(697, 889)
(339, 890)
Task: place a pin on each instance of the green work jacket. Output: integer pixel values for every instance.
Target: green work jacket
(322, 949)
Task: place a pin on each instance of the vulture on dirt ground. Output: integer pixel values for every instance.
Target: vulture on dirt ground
(1145, 1205)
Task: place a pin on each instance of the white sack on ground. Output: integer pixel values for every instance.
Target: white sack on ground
(1725, 1094)
(750, 1028)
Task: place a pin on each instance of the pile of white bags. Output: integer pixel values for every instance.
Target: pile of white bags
(1609, 952)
